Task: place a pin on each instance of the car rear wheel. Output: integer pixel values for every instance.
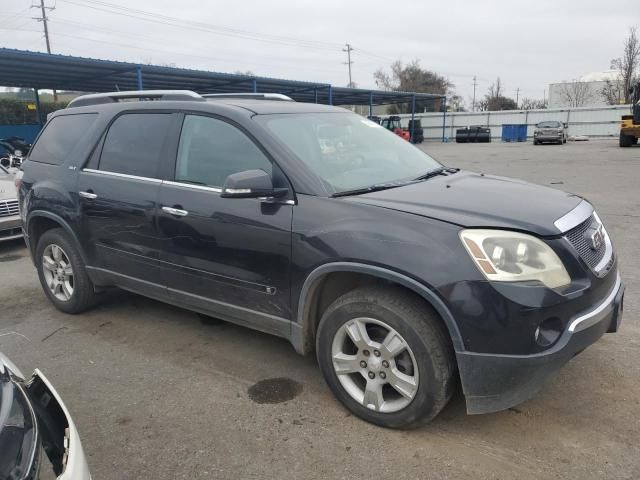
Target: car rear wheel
(62, 274)
(386, 356)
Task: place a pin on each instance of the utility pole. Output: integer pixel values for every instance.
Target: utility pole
(44, 20)
(349, 49)
(473, 103)
(517, 97)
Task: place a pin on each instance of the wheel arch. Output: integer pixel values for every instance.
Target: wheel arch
(39, 221)
(307, 318)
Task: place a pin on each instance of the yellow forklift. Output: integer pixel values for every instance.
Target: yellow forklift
(630, 125)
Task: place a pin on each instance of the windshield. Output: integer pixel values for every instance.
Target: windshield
(549, 125)
(348, 151)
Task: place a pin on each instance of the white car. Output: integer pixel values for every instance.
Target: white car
(10, 224)
(36, 430)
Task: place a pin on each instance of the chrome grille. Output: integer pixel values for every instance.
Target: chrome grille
(8, 207)
(579, 237)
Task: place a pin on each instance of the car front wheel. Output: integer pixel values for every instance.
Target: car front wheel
(386, 356)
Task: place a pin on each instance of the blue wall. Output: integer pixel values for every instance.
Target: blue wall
(29, 132)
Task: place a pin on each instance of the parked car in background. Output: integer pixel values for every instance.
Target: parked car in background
(314, 224)
(36, 430)
(473, 134)
(550, 132)
(10, 223)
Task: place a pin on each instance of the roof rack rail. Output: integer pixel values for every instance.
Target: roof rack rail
(254, 96)
(113, 97)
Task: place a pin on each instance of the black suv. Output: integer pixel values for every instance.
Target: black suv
(317, 225)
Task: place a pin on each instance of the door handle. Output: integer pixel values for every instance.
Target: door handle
(89, 195)
(175, 211)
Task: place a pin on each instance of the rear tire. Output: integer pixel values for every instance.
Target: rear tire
(396, 390)
(62, 273)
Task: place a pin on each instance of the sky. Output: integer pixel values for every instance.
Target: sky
(528, 44)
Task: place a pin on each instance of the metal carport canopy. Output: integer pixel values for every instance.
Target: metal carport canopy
(37, 70)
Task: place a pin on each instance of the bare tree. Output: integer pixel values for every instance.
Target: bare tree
(613, 91)
(627, 65)
(575, 93)
(495, 99)
(413, 78)
(532, 104)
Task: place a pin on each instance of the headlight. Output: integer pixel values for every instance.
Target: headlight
(504, 256)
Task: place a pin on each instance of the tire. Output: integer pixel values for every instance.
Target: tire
(536, 142)
(564, 140)
(424, 366)
(625, 140)
(75, 293)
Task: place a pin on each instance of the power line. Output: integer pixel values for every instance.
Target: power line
(192, 25)
(349, 49)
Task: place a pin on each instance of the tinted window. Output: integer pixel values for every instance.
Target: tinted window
(60, 137)
(134, 144)
(210, 150)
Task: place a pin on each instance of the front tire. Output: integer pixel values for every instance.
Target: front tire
(625, 140)
(386, 356)
(62, 273)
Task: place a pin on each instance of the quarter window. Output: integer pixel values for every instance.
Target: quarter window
(210, 150)
(134, 144)
(60, 137)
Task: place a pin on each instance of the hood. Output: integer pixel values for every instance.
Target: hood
(476, 200)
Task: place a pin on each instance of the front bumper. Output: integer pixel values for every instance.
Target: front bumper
(494, 382)
(75, 465)
(10, 227)
(549, 138)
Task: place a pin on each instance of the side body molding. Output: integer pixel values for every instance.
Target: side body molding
(301, 334)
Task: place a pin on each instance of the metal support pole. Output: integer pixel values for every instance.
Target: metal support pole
(254, 83)
(139, 77)
(315, 94)
(370, 104)
(413, 117)
(38, 108)
(444, 116)
(330, 95)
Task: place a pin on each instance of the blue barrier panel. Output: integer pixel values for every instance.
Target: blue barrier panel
(514, 132)
(27, 131)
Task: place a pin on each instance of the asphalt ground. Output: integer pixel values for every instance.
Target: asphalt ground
(157, 394)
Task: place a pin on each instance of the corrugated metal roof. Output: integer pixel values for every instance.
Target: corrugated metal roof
(22, 68)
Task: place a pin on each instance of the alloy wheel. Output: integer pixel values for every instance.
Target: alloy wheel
(375, 365)
(58, 272)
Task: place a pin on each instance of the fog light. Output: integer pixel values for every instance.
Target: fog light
(548, 332)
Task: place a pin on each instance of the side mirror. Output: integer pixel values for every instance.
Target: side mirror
(250, 184)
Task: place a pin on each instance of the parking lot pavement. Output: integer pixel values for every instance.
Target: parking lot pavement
(156, 394)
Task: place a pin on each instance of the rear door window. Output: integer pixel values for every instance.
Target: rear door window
(134, 144)
(60, 137)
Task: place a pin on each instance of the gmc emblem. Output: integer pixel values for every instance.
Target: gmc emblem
(597, 238)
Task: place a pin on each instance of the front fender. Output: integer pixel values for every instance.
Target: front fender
(302, 333)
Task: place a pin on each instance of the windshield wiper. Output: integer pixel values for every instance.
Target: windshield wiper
(369, 189)
(432, 173)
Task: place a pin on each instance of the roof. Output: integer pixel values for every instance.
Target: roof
(22, 68)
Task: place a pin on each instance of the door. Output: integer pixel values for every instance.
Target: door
(227, 256)
(118, 193)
